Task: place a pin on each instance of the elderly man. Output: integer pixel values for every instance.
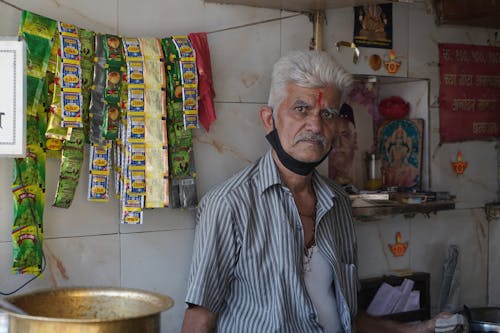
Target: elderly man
(275, 247)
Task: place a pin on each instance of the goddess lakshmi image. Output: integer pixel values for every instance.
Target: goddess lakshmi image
(400, 148)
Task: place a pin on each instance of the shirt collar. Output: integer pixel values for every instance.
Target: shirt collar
(270, 176)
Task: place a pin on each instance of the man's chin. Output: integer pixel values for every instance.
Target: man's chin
(311, 158)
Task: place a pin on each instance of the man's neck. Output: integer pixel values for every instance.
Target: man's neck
(295, 182)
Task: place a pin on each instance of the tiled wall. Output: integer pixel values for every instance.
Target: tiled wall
(85, 245)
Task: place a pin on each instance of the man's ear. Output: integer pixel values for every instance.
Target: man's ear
(266, 117)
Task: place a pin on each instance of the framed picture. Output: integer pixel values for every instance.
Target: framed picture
(13, 97)
(400, 148)
(373, 26)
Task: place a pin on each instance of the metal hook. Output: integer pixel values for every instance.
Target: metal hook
(355, 58)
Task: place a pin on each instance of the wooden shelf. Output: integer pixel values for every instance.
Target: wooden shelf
(374, 213)
(300, 5)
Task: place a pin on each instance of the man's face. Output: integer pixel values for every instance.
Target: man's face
(345, 143)
(306, 121)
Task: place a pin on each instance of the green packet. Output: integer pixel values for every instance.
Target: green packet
(38, 25)
(175, 112)
(27, 230)
(34, 130)
(71, 164)
(65, 192)
(111, 121)
(113, 50)
(180, 162)
(172, 69)
(30, 170)
(178, 136)
(86, 38)
(75, 139)
(38, 53)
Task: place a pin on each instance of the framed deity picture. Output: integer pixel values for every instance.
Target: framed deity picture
(400, 145)
(373, 26)
(13, 97)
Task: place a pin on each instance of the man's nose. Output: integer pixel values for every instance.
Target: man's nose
(314, 122)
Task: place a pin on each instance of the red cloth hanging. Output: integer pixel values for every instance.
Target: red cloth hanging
(206, 110)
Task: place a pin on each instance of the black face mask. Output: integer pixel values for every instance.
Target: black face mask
(296, 166)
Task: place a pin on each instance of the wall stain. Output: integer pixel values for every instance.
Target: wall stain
(51, 257)
(221, 148)
(249, 79)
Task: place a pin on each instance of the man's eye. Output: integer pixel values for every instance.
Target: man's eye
(300, 108)
(329, 113)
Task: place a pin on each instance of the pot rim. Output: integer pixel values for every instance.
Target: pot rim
(162, 302)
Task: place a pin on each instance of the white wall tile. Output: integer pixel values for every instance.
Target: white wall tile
(374, 238)
(234, 141)
(159, 262)
(82, 217)
(9, 24)
(296, 32)
(162, 219)
(242, 61)
(171, 17)
(100, 16)
(73, 261)
(431, 238)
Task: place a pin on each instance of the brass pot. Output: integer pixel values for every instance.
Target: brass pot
(88, 310)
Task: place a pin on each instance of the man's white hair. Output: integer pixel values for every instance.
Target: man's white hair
(309, 69)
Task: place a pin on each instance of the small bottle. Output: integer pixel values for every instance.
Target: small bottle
(374, 174)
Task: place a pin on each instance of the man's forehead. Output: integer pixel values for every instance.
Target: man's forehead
(314, 96)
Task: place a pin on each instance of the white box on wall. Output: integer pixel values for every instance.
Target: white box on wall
(12, 98)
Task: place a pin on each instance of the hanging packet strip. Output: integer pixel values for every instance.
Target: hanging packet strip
(156, 143)
(96, 110)
(131, 208)
(27, 230)
(29, 172)
(87, 54)
(71, 164)
(55, 133)
(132, 160)
(189, 80)
(100, 172)
(70, 76)
(117, 152)
(179, 138)
(37, 31)
(114, 85)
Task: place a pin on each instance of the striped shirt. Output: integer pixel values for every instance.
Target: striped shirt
(248, 253)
